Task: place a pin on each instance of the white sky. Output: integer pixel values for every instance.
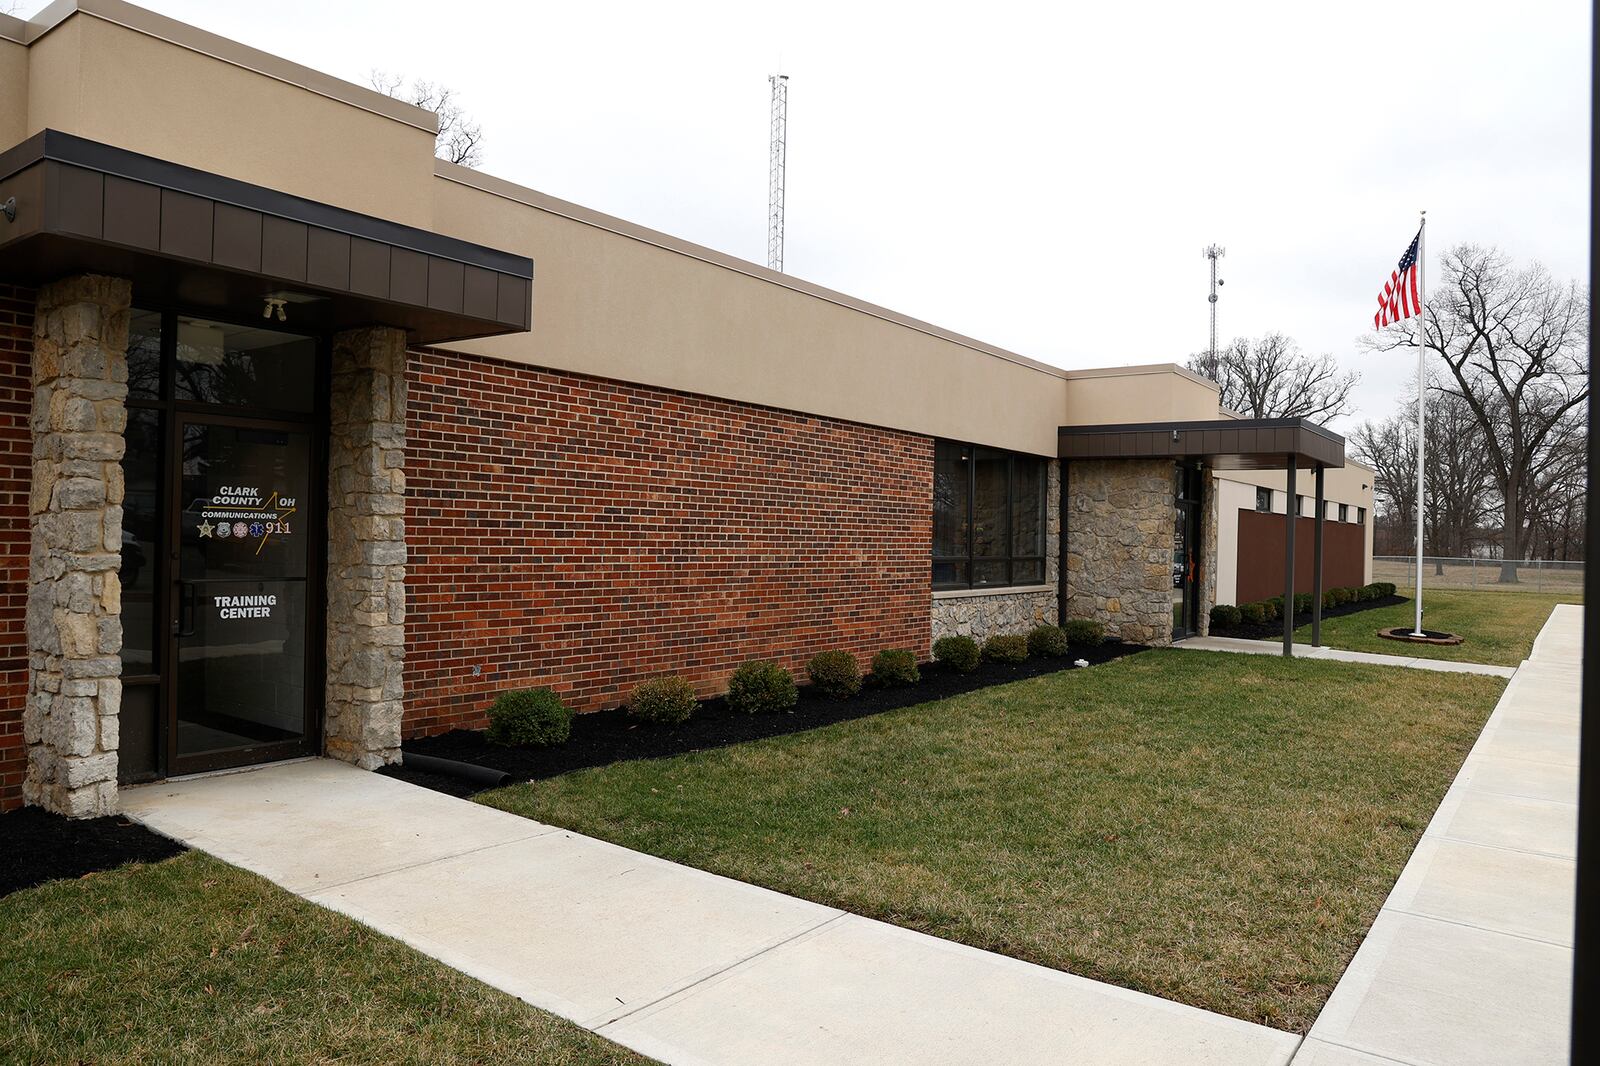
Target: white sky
(1042, 178)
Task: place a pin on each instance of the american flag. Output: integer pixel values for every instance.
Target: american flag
(1399, 300)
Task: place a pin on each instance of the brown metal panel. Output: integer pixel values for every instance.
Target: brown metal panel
(236, 238)
(186, 225)
(1261, 544)
(513, 304)
(481, 294)
(327, 258)
(28, 186)
(80, 207)
(446, 279)
(1248, 439)
(133, 213)
(1210, 442)
(408, 277)
(1147, 443)
(369, 267)
(1228, 442)
(283, 248)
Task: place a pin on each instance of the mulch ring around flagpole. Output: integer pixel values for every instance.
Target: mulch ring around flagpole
(1428, 636)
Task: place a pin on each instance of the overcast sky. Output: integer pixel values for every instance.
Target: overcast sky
(1042, 177)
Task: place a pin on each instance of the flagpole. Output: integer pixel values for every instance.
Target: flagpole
(1422, 396)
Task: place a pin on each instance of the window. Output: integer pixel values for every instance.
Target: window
(1302, 506)
(1344, 512)
(1264, 500)
(1361, 516)
(988, 517)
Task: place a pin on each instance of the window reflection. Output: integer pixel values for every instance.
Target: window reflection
(219, 363)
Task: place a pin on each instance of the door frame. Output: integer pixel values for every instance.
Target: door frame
(1190, 504)
(311, 741)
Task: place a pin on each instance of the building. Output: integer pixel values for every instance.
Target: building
(304, 455)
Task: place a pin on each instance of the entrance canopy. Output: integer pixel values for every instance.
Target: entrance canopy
(1288, 444)
(215, 245)
(1221, 443)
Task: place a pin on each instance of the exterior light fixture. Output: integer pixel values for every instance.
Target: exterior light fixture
(10, 208)
(275, 304)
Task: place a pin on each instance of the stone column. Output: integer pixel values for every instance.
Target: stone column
(366, 547)
(80, 384)
(1119, 546)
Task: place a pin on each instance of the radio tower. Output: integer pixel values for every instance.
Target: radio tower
(1213, 252)
(775, 178)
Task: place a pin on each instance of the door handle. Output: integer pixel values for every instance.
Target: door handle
(186, 607)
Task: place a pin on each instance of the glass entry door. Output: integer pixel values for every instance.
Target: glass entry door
(1186, 552)
(241, 601)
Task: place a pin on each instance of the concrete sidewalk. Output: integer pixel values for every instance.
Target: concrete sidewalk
(1470, 959)
(1306, 651)
(676, 963)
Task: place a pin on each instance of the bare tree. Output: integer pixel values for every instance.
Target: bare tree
(1514, 342)
(1461, 503)
(1272, 378)
(460, 139)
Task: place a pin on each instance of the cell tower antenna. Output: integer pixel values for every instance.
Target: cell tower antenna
(1213, 252)
(777, 173)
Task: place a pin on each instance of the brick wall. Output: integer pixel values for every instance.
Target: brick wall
(16, 475)
(585, 534)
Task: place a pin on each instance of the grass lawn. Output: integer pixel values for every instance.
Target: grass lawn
(192, 960)
(1216, 829)
(1499, 626)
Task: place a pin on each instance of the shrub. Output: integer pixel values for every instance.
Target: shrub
(1084, 632)
(1047, 640)
(835, 673)
(1252, 614)
(1225, 616)
(959, 653)
(1269, 610)
(1327, 599)
(896, 666)
(1274, 608)
(1302, 603)
(664, 701)
(761, 685)
(1342, 596)
(529, 717)
(1006, 648)
(1385, 588)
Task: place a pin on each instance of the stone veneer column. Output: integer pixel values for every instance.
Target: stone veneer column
(1119, 546)
(80, 384)
(366, 547)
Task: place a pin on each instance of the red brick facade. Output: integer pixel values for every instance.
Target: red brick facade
(585, 534)
(16, 475)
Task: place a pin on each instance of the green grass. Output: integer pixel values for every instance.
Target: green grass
(1499, 625)
(1216, 829)
(194, 961)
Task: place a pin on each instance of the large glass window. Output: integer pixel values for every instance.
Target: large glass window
(988, 517)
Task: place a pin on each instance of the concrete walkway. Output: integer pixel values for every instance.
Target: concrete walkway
(676, 963)
(1306, 651)
(1470, 960)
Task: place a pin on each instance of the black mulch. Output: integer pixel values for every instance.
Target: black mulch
(1274, 630)
(37, 846)
(610, 736)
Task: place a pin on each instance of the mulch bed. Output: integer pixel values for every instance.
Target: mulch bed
(1274, 630)
(1407, 635)
(604, 737)
(37, 846)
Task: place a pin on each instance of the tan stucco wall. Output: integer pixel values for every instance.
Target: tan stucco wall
(1159, 392)
(617, 305)
(1350, 484)
(13, 90)
(100, 79)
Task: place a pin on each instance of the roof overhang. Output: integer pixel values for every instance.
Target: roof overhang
(1222, 443)
(204, 242)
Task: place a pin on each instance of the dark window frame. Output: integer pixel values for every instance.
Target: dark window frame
(1361, 516)
(1260, 492)
(1011, 559)
(1344, 512)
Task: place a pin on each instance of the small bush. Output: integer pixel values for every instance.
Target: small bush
(529, 717)
(1084, 632)
(1342, 596)
(1252, 613)
(760, 685)
(1302, 603)
(664, 701)
(959, 653)
(1006, 648)
(1327, 599)
(1385, 588)
(1225, 616)
(1274, 608)
(835, 673)
(895, 666)
(1047, 640)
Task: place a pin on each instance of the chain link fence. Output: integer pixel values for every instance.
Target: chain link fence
(1532, 575)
